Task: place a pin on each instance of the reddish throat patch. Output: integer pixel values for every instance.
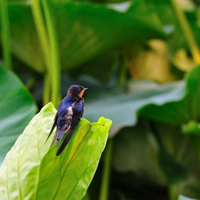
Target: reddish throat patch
(81, 93)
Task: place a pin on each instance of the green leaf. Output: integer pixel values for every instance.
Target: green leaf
(25, 43)
(91, 30)
(178, 111)
(169, 21)
(173, 170)
(17, 107)
(121, 106)
(134, 147)
(31, 170)
(181, 197)
(84, 31)
(192, 127)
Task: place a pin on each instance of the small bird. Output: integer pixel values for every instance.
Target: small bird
(68, 116)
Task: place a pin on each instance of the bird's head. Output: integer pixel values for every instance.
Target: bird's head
(76, 91)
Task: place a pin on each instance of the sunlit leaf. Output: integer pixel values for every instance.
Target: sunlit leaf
(17, 107)
(31, 170)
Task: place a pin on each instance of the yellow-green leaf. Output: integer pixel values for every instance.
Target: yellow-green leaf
(31, 170)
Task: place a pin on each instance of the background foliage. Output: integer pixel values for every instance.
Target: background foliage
(139, 59)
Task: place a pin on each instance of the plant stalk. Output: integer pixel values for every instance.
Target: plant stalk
(46, 92)
(188, 32)
(54, 52)
(6, 35)
(106, 171)
(48, 40)
(43, 38)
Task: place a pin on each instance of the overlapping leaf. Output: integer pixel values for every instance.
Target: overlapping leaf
(84, 31)
(91, 30)
(180, 111)
(31, 170)
(122, 107)
(17, 107)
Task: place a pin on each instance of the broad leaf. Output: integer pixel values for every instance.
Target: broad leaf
(25, 43)
(31, 170)
(178, 111)
(84, 31)
(172, 169)
(91, 30)
(134, 147)
(17, 107)
(121, 107)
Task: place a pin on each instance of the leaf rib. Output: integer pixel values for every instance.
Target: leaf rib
(68, 163)
(8, 194)
(18, 171)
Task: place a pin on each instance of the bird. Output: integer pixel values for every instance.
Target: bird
(69, 113)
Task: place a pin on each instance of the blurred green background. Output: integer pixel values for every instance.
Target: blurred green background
(139, 59)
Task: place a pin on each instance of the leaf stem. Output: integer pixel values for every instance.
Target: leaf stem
(43, 37)
(42, 34)
(54, 51)
(6, 35)
(46, 92)
(188, 32)
(106, 171)
(48, 40)
(30, 83)
(171, 193)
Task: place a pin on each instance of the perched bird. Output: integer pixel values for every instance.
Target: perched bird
(68, 116)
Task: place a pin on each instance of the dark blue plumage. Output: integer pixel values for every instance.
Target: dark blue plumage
(68, 116)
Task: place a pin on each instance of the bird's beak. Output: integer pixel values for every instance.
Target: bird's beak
(85, 88)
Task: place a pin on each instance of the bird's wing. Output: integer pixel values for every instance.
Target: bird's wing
(77, 110)
(63, 125)
(54, 125)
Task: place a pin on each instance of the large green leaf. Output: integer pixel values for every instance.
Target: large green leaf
(84, 31)
(91, 30)
(25, 43)
(17, 107)
(179, 111)
(31, 170)
(121, 106)
(134, 147)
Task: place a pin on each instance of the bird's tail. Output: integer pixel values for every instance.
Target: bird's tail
(65, 141)
(58, 137)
